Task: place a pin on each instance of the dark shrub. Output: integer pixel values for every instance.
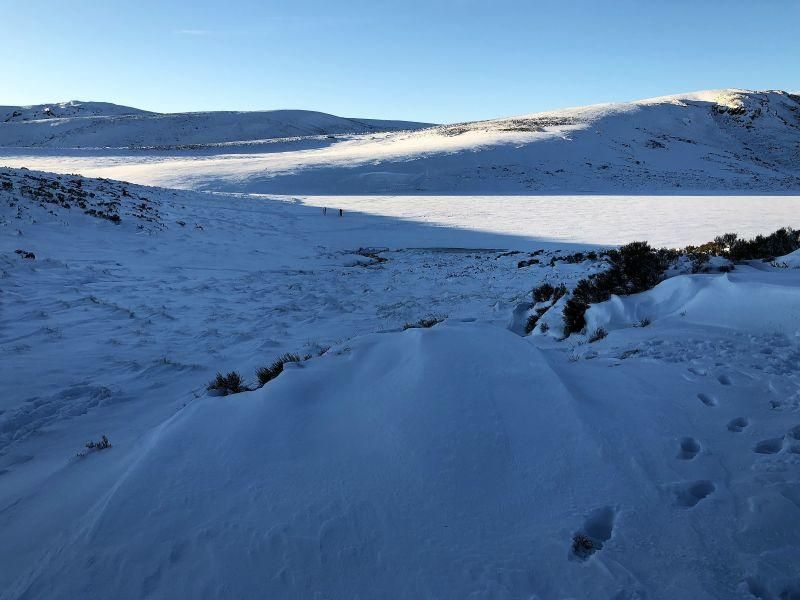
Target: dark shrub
(543, 293)
(530, 324)
(527, 263)
(635, 267)
(547, 292)
(101, 445)
(764, 247)
(232, 383)
(583, 546)
(558, 292)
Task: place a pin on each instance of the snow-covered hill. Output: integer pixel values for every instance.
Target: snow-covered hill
(103, 125)
(65, 110)
(722, 140)
(465, 460)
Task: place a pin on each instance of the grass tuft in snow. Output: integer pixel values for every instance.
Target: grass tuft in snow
(270, 372)
(232, 383)
(598, 335)
(425, 323)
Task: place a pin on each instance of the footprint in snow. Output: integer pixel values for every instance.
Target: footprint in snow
(770, 446)
(706, 399)
(596, 531)
(724, 379)
(689, 448)
(688, 494)
(738, 424)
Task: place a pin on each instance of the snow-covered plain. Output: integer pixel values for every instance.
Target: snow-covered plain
(451, 462)
(457, 461)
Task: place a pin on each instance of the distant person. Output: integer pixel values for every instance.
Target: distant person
(324, 210)
(341, 212)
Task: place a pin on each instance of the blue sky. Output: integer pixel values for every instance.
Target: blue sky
(438, 61)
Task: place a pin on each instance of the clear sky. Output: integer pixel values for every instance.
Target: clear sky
(435, 60)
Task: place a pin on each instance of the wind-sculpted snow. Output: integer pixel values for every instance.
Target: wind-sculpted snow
(456, 458)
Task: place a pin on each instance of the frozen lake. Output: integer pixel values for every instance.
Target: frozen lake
(663, 220)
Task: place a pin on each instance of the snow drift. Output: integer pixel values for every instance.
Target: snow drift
(450, 462)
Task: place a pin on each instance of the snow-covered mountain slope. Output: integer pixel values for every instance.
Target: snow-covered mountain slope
(723, 140)
(103, 125)
(464, 460)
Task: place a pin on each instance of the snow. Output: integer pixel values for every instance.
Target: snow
(100, 124)
(726, 140)
(457, 461)
(747, 299)
(401, 465)
(790, 260)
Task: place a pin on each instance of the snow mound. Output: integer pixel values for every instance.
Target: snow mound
(745, 299)
(446, 462)
(790, 261)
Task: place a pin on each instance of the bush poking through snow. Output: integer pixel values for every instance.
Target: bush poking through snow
(598, 335)
(423, 323)
(232, 383)
(530, 324)
(643, 323)
(268, 373)
(635, 268)
(543, 293)
(762, 247)
(559, 292)
(101, 445)
(92, 446)
(547, 292)
(544, 327)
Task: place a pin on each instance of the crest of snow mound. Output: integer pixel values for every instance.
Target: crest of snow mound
(392, 467)
(790, 261)
(746, 299)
